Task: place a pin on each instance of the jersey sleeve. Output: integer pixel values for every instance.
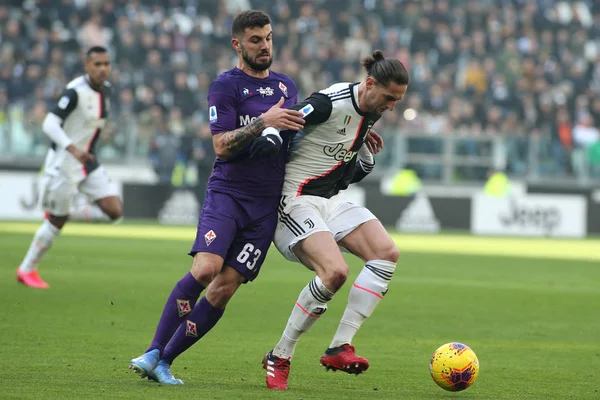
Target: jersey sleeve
(364, 165)
(66, 104)
(316, 109)
(222, 108)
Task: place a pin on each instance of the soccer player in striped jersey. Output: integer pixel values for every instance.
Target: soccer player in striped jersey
(74, 126)
(316, 224)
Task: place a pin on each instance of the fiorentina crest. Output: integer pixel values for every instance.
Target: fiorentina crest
(283, 88)
(190, 329)
(183, 307)
(209, 237)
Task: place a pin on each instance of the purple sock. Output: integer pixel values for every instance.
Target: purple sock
(180, 304)
(198, 323)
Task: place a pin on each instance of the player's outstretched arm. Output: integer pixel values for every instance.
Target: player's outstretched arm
(229, 143)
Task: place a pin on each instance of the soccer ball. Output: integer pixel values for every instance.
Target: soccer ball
(454, 366)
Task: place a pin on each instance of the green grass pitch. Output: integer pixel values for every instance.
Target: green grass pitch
(529, 308)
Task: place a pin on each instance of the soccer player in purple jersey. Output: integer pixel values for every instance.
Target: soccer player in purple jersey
(239, 215)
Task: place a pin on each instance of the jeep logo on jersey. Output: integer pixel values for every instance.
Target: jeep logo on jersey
(339, 153)
(245, 120)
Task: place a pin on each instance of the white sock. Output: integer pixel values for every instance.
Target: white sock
(367, 291)
(311, 304)
(42, 241)
(87, 212)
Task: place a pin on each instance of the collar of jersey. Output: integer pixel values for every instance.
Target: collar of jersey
(262, 80)
(355, 100)
(87, 80)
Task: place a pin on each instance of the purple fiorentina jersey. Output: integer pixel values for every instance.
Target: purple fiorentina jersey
(235, 99)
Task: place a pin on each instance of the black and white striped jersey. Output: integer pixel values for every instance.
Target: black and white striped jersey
(83, 112)
(323, 156)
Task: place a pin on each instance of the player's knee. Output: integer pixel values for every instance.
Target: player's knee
(115, 212)
(390, 252)
(206, 267)
(205, 274)
(57, 221)
(335, 277)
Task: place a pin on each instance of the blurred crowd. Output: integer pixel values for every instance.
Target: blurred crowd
(517, 68)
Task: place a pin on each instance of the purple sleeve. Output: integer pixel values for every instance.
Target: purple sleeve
(222, 108)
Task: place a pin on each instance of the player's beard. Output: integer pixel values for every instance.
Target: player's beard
(255, 65)
(374, 108)
(97, 80)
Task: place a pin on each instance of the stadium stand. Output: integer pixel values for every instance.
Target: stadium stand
(525, 74)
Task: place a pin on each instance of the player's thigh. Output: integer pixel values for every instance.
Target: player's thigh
(370, 241)
(248, 251)
(111, 206)
(343, 217)
(97, 185)
(298, 218)
(217, 230)
(302, 235)
(56, 193)
(320, 252)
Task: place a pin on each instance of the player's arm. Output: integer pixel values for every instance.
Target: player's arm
(229, 143)
(364, 165)
(52, 125)
(228, 139)
(316, 109)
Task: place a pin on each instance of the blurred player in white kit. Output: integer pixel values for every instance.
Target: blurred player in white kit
(74, 126)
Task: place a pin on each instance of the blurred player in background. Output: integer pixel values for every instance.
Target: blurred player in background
(74, 126)
(239, 216)
(315, 223)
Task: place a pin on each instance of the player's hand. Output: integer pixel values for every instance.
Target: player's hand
(282, 118)
(266, 145)
(82, 156)
(374, 142)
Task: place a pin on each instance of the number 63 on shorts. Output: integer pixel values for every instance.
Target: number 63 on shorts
(249, 255)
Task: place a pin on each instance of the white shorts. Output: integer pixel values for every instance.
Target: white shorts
(57, 191)
(301, 216)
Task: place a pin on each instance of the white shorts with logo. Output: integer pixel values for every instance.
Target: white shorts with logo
(57, 191)
(301, 216)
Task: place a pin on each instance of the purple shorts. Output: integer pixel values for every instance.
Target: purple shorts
(238, 229)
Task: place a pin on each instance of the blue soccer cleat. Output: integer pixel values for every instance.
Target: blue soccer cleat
(162, 374)
(145, 363)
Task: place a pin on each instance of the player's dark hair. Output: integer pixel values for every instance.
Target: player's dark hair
(385, 70)
(96, 49)
(249, 19)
